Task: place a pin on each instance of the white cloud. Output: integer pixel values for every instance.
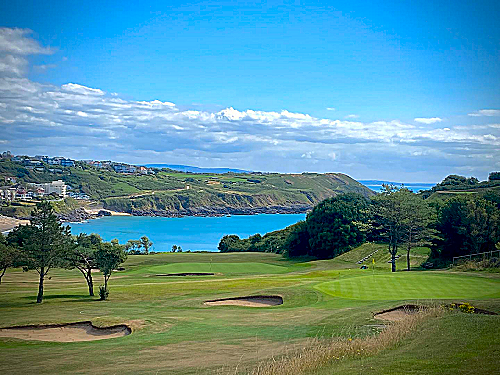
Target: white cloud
(486, 112)
(330, 109)
(82, 90)
(428, 120)
(85, 122)
(15, 45)
(352, 116)
(17, 42)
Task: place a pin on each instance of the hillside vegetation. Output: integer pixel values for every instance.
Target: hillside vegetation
(172, 193)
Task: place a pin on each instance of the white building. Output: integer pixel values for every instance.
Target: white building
(58, 187)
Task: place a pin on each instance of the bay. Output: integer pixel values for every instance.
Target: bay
(191, 233)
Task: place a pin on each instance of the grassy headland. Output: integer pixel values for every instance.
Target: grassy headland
(172, 193)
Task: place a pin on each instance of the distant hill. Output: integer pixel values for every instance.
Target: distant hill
(376, 185)
(176, 193)
(191, 169)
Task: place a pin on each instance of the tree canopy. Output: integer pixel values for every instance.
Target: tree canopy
(43, 244)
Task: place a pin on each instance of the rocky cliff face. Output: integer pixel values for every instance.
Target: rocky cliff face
(223, 211)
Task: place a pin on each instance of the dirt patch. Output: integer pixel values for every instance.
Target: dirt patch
(187, 274)
(70, 332)
(399, 313)
(249, 301)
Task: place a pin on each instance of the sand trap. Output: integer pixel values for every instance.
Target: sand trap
(250, 301)
(70, 332)
(399, 313)
(187, 274)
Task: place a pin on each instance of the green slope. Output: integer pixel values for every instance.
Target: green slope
(172, 193)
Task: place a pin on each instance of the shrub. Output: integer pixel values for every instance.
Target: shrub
(103, 293)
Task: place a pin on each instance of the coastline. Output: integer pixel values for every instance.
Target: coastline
(8, 223)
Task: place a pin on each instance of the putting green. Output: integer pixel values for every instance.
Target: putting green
(224, 268)
(421, 285)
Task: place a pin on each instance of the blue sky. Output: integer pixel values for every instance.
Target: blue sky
(372, 89)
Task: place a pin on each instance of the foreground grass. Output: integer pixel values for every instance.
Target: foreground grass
(175, 333)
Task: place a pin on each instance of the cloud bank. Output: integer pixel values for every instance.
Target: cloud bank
(87, 123)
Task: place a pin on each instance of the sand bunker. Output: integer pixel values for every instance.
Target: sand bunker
(70, 332)
(187, 274)
(250, 301)
(399, 313)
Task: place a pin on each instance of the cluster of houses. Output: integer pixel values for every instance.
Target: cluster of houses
(120, 167)
(12, 193)
(39, 162)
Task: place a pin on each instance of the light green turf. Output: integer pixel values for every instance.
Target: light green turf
(417, 285)
(224, 268)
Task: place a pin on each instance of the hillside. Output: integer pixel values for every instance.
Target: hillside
(172, 193)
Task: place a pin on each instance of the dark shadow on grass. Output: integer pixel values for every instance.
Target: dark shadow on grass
(68, 297)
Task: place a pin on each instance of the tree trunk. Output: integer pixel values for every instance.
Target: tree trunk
(106, 282)
(408, 252)
(3, 273)
(90, 282)
(39, 298)
(393, 258)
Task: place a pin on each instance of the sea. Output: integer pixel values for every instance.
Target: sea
(191, 233)
(376, 185)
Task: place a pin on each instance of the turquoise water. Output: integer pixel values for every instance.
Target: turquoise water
(192, 233)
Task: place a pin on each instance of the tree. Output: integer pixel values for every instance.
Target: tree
(469, 225)
(417, 218)
(83, 256)
(229, 243)
(333, 225)
(494, 176)
(174, 249)
(133, 247)
(8, 256)
(297, 241)
(108, 257)
(43, 244)
(389, 218)
(146, 244)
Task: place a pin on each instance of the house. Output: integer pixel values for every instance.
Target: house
(67, 163)
(10, 179)
(124, 168)
(6, 155)
(8, 193)
(58, 187)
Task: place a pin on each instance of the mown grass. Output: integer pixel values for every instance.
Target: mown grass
(175, 333)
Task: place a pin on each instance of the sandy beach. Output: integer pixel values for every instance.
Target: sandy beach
(9, 223)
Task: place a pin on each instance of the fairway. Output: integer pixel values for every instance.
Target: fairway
(223, 268)
(411, 286)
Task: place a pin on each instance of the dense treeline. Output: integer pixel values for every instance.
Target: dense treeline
(467, 223)
(273, 242)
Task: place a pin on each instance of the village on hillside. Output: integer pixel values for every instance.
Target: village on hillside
(12, 190)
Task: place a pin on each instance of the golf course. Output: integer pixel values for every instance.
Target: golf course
(162, 323)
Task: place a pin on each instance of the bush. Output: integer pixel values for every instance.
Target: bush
(103, 293)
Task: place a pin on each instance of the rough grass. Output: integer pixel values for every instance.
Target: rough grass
(322, 353)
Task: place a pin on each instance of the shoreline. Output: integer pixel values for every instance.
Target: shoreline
(8, 223)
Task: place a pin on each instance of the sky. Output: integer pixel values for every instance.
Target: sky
(402, 91)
